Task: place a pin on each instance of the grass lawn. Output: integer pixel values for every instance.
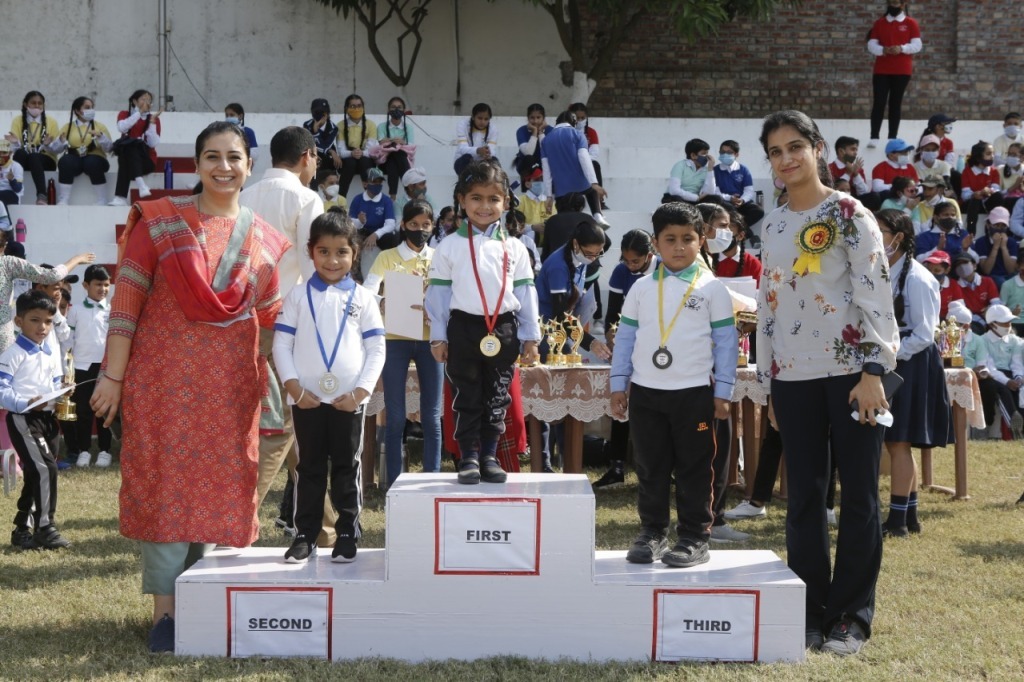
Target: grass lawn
(948, 607)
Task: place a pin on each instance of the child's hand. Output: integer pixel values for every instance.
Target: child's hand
(722, 408)
(371, 240)
(600, 349)
(357, 153)
(37, 407)
(335, 159)
(439, 351)
(307, 401)
(345, 403)
(530, 354)
(10, 138)
(620, 402)
(362, 219)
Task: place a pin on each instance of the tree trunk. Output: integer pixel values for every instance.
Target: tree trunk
(582, 87)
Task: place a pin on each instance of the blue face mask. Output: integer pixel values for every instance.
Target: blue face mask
(234, 120)
(373, 190)
(701, 161)
(726, 159)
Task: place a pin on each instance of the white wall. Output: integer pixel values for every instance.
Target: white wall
(275, 55)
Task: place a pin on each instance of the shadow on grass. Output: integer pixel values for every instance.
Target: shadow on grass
(42, 569)
(994, 551)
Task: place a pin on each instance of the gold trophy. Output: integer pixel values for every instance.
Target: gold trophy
(949, 338)
(746, 322)
(556, 340)
(575, 330)
(65, 409)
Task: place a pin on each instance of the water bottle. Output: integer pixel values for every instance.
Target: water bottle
(51, 192)
(168, 175)
(20, 230)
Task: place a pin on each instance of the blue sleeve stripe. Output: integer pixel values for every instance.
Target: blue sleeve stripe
(373, 332)
(284, 328)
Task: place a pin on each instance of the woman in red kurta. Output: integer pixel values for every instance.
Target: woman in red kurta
(196, 276)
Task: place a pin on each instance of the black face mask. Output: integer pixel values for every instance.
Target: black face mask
(396, 113)
(318, 114)
(948, 223)
(894, 11)
(415, 237)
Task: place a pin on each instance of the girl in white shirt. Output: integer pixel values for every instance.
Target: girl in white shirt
(476, 138)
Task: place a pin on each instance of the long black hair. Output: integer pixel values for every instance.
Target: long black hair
(637, 241)
(24, 117)
(75, 106)
(899, 223)
(709, 212)
(344, 130)
(387, 121)
(807, 128)
(741, 240)
(586, 233)
(235, 106)
(977, 152)
(1007, 171)
(480, 108)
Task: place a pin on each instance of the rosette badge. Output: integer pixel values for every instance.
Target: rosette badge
(814, 240)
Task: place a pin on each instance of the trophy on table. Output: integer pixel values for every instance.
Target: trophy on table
(575, 331)
(950, 340)
(746, 322)
(555, 335)
(66, 409)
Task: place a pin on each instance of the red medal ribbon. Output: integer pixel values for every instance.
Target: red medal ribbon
(489, 320)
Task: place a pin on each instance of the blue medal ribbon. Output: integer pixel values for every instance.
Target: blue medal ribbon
(341, 327)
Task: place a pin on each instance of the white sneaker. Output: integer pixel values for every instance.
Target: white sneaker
(118, 201)
(83, 460)
(103, 459)
(746, 510)
(600, 220)
(872, 143)
(831, 515)
(143, 188)
(726, 533)
(597, 328)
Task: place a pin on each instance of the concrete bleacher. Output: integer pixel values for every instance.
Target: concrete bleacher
(636, 157)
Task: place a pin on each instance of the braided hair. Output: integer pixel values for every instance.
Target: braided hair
(480, 108)
(740, 240)
(75, 106)
(24, 117)
(405, 123)
(637, 241)
(362, 135)
(899, 222)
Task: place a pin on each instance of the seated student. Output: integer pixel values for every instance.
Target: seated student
(235, 113)
(1012, 134)
(356, 139)
(902, 195)
(1005, 367)
(579, 110)
(373, 214)
(997, 250)
(568, 168)
(979, 291)
(672, 397)
(443, 226)
(325, 135)
(690, 180)
(529, 138)
(396, 150)
(927, 161)
(89, 323)
(533, 202)
(735, 185)
(896, 164)
(34, 138)
(1012, 295)
(943, 232)
(932, 194)
(12, 176)
(981, 188)
(331, 191)
(974, 351)
(476, 138)
(86, 143)
(849, 166)
(734, 261)
(1017, 220)
(414, 186)
(136, 148)
(1011, 175)
(939, 263)
(940, 126)
(29, 370)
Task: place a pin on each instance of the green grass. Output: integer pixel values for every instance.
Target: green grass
(949, 602)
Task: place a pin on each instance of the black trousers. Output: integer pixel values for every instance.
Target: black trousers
(394, 168)
(79, 435)
(673, 432)
(768, 470)
(974, 207)
(348, 169)
(71, 165)
(9, 198)
(328, 445)
(720, 466)
(35, 439)
(480, 385)
(812, 415)
(133, 161)
(37, 164)
(887, 88)
(992, 392)
(562, 203)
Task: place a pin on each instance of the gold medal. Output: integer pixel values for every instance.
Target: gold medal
(328, 383)
(490, 346)
(662, 359)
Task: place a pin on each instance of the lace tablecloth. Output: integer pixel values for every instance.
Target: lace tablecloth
(412, 397)
(748, 387)
(962, 386)
(552, 393)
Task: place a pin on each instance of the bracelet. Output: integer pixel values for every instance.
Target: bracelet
(116, 381)
(299, 399)
(436, 344)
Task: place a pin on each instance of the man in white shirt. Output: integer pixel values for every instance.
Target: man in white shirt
(283, 198)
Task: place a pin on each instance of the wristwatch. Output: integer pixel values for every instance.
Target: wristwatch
(873, 368)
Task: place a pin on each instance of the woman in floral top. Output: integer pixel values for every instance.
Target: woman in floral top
(826, 334)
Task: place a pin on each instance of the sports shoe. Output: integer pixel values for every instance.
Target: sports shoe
(813, 639)
(344, 550)
(103, 459)
(143, 188)
(647, 548)
(746, 510)
(600, 220)
(49, 538)
(914, 528)
(118, 201)
(161, 637)
(894, 531)
(613, 478)
(83, 460)
(491, 471)
(301, 551)
(21, 538)
(873, 142)
(597, 328)
(726, 533)
(469, 470)
(846, 638)
(63, 465)
(830, 515)
(687, 553)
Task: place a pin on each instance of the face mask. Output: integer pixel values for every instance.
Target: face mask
(948, 128)
(965, 271)
(701, 161)
(332, 191)
(890, 250)
(1011, 131)
(721, 241)
(893, 11)
(726, 159)
(939, 276)
(1012, 161)
(355, 113)
(903, 159)
(1000, 331)
(850, 158)
(581, 126)
(929, 157)
(579, 260)
(986, 163)
(934, 201)
(233, 120)
(415, 237)
(948, 223)
(642, 268)
(537, 189)
(396, 114)
(901, 201)
(34, 112)
(88, 114)
(373, 190)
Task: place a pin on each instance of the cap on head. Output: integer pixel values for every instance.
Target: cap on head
(937, 256)
(999, 214)
(897, 146)
(999, 314)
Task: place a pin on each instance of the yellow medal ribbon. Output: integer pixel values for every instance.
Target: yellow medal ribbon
(814, 240)
(665, 333)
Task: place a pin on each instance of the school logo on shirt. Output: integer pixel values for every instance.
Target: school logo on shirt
(702, 426)
(695, 303)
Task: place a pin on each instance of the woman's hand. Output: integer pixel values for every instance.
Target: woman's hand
(530, 354)
(439, 349)
(870, 397)
(600, 349)
(345, 403)
(771, 415)
(307, 400)
(106, 400)
(620, 403)
(83, 259)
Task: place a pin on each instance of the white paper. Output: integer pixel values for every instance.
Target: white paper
(743, 291)
(706, 625)
(402, 291)
(48, 397)
(483, 536)
(290, 622)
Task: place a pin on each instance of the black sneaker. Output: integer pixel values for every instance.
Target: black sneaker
(846, 638)
(613, 478)
(469, 470)
(161, 637)
(686, 553)
(647, 548)
(813, 639)
(491, 471)
(914, 527)
(21, 538)
(894, 531)
(301, 550)
(344, 550)
(49, 538)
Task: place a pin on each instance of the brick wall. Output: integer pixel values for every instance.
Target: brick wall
(814, 58)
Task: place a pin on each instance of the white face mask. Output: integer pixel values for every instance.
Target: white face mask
(929, 157)
(34, 112)
(948, 129)
(890, 250)
(580, 260)
(903, 159)
(721, 241)
(935, 200)
(966, 271)
(999, 330)
(1011, 131)
(1012, 161)
(581, 126)
(88, 114)
(332, 191)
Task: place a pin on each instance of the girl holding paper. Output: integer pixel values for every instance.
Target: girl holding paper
(412, 257)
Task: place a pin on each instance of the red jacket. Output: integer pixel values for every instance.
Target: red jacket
(891, 33)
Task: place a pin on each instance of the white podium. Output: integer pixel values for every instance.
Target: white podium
(487, 570)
